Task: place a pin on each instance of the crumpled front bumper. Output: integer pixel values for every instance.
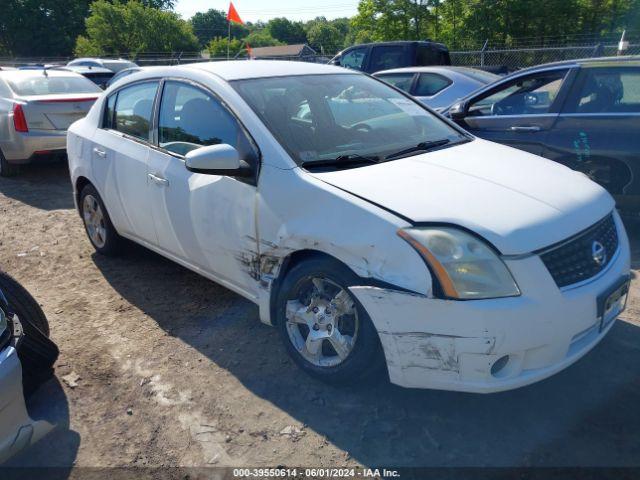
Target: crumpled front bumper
(452, 345)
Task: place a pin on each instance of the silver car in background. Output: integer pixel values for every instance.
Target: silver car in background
(36, 108)
(437, 87)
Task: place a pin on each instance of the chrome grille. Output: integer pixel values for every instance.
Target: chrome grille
(584, 255)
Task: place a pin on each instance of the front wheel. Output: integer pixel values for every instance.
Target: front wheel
(323, 327)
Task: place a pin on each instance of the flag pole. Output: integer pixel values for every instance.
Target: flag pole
(228, 37)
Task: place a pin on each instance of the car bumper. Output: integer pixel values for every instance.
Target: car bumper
(21, 148)
(453, 345)
(16, 427)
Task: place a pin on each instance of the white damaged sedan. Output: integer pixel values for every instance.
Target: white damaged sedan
(368, 230)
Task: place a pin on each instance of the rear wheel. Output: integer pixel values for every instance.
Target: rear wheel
(7, 169)
(324, 329)
(100, 230)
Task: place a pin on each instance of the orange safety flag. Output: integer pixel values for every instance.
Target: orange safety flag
(233, 16)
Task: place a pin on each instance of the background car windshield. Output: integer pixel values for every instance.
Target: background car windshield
(321, 117)
(51, 85)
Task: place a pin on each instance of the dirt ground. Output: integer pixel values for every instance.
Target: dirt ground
(175, 370)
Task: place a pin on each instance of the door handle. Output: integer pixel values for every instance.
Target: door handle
(523, 128)
(158, 180)
(100, 153)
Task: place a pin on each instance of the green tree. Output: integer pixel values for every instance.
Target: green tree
(218, 47)
(261, 38)
(324, 37)
(117, 28)
(41, 27)
(286, 31)
(213, 24)
(159, 4)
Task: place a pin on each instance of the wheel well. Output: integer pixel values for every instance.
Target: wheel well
(289, 262)
(81, 182)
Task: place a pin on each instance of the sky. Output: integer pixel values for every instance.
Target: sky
(253, 10)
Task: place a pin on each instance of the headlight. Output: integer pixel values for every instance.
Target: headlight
(466, 267)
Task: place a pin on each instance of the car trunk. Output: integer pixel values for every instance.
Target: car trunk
(55, 112)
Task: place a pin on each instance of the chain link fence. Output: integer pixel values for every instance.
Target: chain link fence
(516, 58)
(502, 59)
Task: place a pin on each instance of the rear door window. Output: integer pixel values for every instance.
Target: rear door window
(403, 81)
(430, 83)
(133, 109)
(387, 57)
(607, 90)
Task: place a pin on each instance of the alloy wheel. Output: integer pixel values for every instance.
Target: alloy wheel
(94, 221)
(322, 322)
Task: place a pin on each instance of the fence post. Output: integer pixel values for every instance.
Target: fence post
(484, 48)
(623, 45)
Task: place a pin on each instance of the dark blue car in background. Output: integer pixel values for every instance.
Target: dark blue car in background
(584, 114)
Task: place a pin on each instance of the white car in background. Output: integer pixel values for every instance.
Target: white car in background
(113, 64)
(36, 107)
(437, 87)
(366, 229)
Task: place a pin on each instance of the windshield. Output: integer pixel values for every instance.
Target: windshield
(322, 117)
(51, 85)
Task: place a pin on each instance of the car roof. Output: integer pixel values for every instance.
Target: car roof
(82, 69)
(245, 69)
(100, 60)
(117, 60)
(432, 68)
(399, 42)
(597, 61)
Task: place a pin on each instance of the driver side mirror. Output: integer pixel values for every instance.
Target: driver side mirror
(221, 159)
(459, 110)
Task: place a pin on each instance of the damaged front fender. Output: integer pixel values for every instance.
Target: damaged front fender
(423, 345)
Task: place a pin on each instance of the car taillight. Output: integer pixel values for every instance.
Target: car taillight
(19, 120)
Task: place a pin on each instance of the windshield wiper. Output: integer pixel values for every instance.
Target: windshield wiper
(421, 147)
(342, 160)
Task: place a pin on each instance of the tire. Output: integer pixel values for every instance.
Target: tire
(365, 358)
(106, 241)
(23, 303)
(36, 352)
(7, 169)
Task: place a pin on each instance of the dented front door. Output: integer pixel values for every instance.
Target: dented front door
(207, 221)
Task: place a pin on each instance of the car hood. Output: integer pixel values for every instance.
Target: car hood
(517, 201)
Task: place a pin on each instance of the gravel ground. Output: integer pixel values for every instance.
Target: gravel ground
(175, 370)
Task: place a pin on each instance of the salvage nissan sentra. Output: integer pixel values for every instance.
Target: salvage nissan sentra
(368, 230)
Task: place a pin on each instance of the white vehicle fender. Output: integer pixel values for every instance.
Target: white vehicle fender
(306, 214)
